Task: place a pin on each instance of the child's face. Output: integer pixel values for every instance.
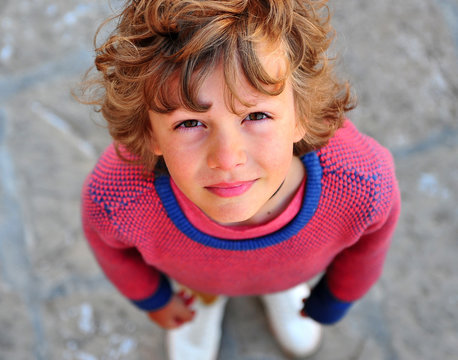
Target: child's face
(231, 165)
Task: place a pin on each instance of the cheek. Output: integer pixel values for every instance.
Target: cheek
(175, 162)
(275, 145)
(275, 157)
(182, 165)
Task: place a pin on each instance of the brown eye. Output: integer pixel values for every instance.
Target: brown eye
(256, 116)
(189, 123)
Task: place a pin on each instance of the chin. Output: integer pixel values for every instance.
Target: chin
(232, 219)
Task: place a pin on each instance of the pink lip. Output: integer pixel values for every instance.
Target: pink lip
(227, 190)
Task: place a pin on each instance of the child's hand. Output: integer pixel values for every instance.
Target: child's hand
(175, 313)
(303, 312)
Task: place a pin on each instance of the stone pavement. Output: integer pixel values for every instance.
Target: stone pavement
(54, 302)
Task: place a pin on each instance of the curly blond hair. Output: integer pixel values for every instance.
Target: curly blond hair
(155, 40)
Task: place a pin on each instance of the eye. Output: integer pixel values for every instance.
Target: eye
(189, 124)
(256, 116)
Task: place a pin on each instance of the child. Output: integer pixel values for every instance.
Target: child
(234, 171)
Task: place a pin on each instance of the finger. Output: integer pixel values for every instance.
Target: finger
(187, 315)
(184, 313)
(166, 324)
(172, 325)
(188, 299)
(303, 312)
(178, 321)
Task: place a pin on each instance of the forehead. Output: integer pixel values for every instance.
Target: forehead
(238, 82)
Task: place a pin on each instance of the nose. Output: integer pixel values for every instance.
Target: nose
(227, 150)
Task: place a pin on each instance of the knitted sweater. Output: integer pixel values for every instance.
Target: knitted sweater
(141, 237)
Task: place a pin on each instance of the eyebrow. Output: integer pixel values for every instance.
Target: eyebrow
(255, 98)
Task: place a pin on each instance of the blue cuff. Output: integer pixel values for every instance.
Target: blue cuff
(159, 299)
(323, 306)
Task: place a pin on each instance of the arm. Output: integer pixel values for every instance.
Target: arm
(123, 265)
(354, 270)
(146, 287)
(133, 278)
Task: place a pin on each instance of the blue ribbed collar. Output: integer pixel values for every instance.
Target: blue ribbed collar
(309, 206)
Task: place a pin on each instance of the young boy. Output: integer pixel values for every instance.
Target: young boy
(234, 171)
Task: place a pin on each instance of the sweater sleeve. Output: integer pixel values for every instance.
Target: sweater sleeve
(121, 262)
(355, 270)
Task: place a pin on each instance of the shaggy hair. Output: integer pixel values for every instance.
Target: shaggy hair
(155, 41)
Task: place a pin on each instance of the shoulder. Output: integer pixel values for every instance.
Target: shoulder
(358, 168)
(350, 150)
(115, 183)
(353, 153)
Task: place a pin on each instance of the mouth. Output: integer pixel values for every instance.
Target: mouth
(227, 190)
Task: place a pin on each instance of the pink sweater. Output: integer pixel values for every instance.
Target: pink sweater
(141, 236)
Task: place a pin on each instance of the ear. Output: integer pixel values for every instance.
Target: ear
(155, 148)
(299, 130)
(154, 145)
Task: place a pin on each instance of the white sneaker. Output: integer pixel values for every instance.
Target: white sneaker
(200, 338)
(297, 336)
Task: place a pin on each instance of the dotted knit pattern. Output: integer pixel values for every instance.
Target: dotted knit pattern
(140, 236)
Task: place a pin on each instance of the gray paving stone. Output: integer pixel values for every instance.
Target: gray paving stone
(403, 67)
(99, 325)
(421, 271)
(41, 31)
(16, 333)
